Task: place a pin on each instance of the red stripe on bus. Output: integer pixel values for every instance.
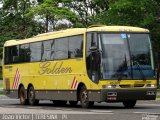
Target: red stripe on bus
(18, 78)
(14, 79)
(73, 82)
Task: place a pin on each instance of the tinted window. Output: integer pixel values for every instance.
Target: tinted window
(61, 48)
(24, 53)
(92, 58)
(36, 51)
(12, 54)
(15, 54)
(91, 41)
(8, 57)
(88, 44)
(52, 49)
(75, 46)
(46, 50)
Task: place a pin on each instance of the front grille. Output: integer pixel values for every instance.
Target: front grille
(138, 85)
(132, 86)
(125, 86)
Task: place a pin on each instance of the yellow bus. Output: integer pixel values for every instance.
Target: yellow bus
(95, 64)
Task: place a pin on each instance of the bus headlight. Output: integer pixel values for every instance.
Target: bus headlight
(151, 86)
(109, 86)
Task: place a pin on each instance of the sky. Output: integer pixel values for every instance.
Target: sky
(1, 5)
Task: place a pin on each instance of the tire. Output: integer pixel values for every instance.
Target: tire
(31, 96)
(83, 96)
(23, 96)
(129, 104)
(73, 103)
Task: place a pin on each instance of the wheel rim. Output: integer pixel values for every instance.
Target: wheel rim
(31, 95)
(84, 97)
(22, 97)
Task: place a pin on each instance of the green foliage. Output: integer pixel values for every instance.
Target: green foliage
(129, 12)
(53, 11)
(22, 18)
(3, 38)
(1, 75)
(141, 13)
(13, 21)
(1, 85)
(86, 10)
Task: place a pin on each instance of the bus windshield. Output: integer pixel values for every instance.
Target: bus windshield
(126, 56)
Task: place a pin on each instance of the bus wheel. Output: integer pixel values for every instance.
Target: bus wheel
(129, 104)
(73, 103)
(83, 96)
(23, 96)
(31, 96)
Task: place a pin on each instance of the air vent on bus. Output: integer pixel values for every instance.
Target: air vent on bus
(132, 86)
(138, 85)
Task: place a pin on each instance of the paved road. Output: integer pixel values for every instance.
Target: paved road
(104, 111)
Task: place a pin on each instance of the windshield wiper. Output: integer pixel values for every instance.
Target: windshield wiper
(140, 70)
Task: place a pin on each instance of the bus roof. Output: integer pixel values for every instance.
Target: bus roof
(75, 31)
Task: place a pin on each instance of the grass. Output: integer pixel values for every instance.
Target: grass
(1, 92)
(158, 97)
(1, 85)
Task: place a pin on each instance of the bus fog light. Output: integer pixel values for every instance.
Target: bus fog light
(151, 86)
(109, 86)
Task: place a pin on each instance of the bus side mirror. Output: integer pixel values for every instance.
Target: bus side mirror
(93, 49)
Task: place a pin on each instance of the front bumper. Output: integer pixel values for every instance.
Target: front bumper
(108, 95)
(126, 94)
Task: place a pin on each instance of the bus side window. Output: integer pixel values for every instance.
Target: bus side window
(12, 54)
(24, 53)
(36, 51)
(61, 48)
(8, 57)
(46, 54)
(75, 46)
(15, 53)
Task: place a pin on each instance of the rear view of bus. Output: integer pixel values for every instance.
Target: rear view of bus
(123, 66)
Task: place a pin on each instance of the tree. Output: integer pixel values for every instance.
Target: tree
(87, 10)
(141, 13)
(14, 22)
(50, 12)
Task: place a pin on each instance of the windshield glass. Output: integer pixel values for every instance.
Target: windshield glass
(141, 55)
(126, 56)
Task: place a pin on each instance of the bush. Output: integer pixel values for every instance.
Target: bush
(0, 72)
